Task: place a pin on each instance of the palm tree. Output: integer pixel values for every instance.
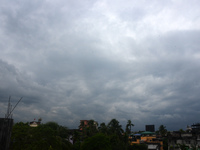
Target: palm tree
(114, 127)
(129, 124)
(162, 130)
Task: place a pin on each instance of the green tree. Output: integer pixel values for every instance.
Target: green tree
(42, 137)
(53, 125)
(82, 125)
(162, 130)
(128, 126)
(116, 142)
(76, 136)
(88, 129)
(61, 134)
(115, 128)
(183, 146)
(96, 142)
(92, 128)
(20, 136)
(103, 128)
(181, 130)
(116, 135)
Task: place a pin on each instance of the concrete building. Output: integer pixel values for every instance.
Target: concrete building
(190, 138)
(150, 128)
(149, 138)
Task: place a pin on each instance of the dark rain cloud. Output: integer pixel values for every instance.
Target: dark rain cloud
(94, 60)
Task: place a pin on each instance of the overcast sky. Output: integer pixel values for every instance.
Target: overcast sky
(73, 60)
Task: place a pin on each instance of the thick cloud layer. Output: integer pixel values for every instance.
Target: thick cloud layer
(74, 60)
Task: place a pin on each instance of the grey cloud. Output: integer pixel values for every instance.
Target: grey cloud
(73, 61)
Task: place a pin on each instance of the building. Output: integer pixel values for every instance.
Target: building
(195, 128)
(87, 123)
(72, 135)
(150, 128)
(5, 132)
(35, 123)
(149, 138)
(190, 139)
(178, 139)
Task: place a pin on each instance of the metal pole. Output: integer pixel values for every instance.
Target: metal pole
(14, 107)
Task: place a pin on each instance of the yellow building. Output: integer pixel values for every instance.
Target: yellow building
(148, 138)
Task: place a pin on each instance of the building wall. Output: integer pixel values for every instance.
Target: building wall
(84, 123)
(151, 141)
(150, 128)
(5, 133)
(187, 139)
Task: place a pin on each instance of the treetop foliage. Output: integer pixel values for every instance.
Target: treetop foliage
(52, 136)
